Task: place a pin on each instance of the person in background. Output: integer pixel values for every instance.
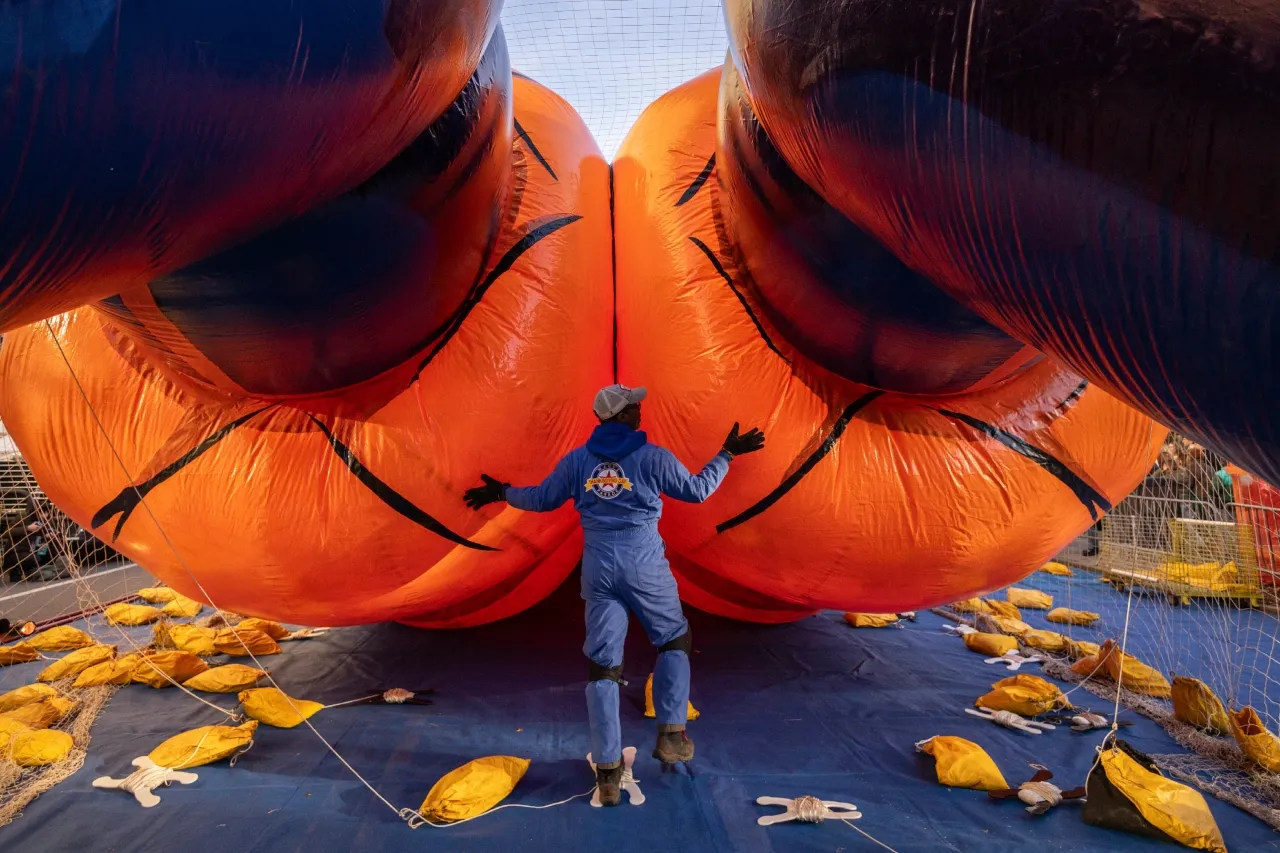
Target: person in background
(617, 481)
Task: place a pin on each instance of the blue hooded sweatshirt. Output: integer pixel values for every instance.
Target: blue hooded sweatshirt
(617, 480)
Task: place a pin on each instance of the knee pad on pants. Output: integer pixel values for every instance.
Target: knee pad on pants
(683, 643)
(596, 672)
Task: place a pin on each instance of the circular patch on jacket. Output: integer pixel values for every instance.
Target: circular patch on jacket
(608, 480)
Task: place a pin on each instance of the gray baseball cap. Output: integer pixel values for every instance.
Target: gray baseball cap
(614, 398)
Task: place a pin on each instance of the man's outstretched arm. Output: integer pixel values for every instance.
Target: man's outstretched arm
(678, 483)
(550, 494)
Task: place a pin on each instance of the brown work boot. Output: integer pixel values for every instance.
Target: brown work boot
(673, 747)
(610, 784)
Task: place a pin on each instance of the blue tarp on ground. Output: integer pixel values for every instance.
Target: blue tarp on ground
(809, 708)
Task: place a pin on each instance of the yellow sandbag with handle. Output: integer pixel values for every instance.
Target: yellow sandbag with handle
(20, 696)
(648, 702)
(1027, 695)
(271, 706)
(1196, 705)
(40, 748)
(9, 729)
(131, 615)
(1032, 599)
(1045, 641)
(1255, 740)
(473, 788)
(1002, 608)
(1137, 676)
(274, 630)
(991, 645)
(970, 605)
(157, 594)
(1125, 791)
(994, 623)
(76, 662)
(1052, 568)
(167, 669)
(188, 638)
(870, 620)
(1083, 649)
(17, 653)
(238, 643)
(962, 763)
(182, 607)
(118, 671)
(1067, 616)
(204, 745)
(63, 638)
(228, 678)
(42, 714)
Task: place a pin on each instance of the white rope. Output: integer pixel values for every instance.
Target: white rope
(416, 819)
(394, 696)
(1046, 791)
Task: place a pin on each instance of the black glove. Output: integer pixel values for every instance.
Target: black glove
(736, 445)
(491, 492)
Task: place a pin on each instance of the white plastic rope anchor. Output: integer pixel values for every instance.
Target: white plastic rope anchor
(140, 782)
(629, 782)
(959, 630)
(1010, 720)
(806, 809)
(1014, 661)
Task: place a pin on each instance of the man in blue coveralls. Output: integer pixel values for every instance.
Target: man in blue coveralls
(617, 480)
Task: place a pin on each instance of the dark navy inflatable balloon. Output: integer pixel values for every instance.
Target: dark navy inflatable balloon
(137, 136)
(1095, 177)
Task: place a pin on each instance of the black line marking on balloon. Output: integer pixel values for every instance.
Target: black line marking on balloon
(715, 262)
(693, 188)
(131, 497)
(1072, 397)
(613, 267)
(1092, 499)
(390, 496)
(837, 430)
(524, 244)
(533, 149)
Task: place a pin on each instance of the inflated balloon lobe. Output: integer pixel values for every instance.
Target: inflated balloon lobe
(294, 311)
(1092, 176)
(138, 137)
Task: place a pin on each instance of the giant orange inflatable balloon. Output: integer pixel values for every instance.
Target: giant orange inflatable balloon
(312, 267)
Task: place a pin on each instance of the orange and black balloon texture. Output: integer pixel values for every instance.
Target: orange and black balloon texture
(278, 281)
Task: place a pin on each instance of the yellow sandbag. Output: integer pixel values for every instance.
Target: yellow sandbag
(238, 643)
(1057, 569)
(274, 630)
(1032, 599)
(203, 745)
(1067, 616)
(970, 605)
(1027, 695)
(157, 594)
(1083, 649)
(42, 714)
(64, 638)
(1002, 608)
(194, 639)
(1138, 677)
(963, 764)
(1255, 740)
(25, 696)
(162, 669)
(228, 678)
(1196, 705)
(649, 712)
(9, 729)
(118, 671)
(994, 623)
(17, 653)
(1045, 641)
(991, 645)
(182, 608)
(1137, 798)
(473, 788)
(870, 620)
(274, 708)
(76, 662)
(40, 748)
(131, 614)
